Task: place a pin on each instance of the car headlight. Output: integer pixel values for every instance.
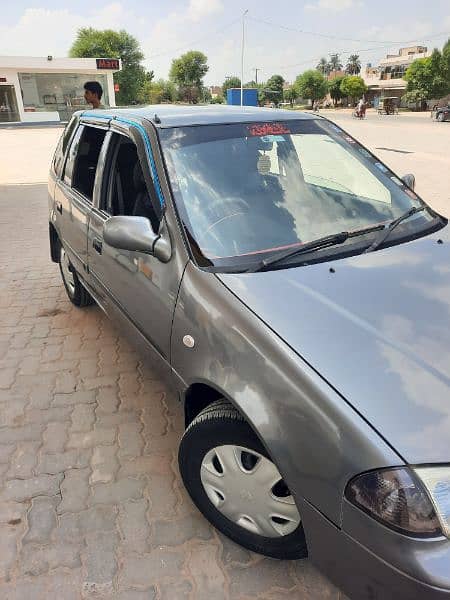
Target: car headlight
(397, 498)
(437, 482)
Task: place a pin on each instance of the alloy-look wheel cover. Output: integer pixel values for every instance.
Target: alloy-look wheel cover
(67, 272)
(248, 489)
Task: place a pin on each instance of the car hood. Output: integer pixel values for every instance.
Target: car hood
(377, 329)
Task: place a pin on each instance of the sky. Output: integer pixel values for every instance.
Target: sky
(280, 37)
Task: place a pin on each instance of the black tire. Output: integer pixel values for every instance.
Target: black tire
(77, 294)
(221, 424)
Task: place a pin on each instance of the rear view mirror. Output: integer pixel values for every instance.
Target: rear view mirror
(410, 180)
(136, 235)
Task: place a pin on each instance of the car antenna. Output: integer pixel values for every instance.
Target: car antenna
(156, 119)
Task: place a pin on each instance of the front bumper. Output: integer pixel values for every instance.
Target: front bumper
(371, 562)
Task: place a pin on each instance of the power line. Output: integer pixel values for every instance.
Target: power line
(335, 37)
(352, 51)
(190, 44)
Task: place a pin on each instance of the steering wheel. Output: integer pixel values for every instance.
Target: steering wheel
(237, 207)
(229, 206)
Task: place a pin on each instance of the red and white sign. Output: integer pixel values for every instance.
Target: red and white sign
(108, 63)
(116, 87)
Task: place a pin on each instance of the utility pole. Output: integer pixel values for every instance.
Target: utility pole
(242, 57)
(256, 74)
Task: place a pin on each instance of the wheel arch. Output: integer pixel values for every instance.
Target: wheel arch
(200, 394)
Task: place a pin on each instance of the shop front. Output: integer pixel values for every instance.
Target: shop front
(34, 89)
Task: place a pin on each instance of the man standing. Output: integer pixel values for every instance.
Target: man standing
(93, 93)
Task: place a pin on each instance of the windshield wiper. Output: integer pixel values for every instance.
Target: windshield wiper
(324, 242)
(392, 225)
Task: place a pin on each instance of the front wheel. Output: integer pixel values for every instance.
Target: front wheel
(440, 117)
(237, 487)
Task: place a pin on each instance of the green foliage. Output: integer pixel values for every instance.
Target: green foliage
(106, 43)
(290, 95)
(446, 61)
(311, 85)
(156, 92)
(334, 63)
(334, 87)
(217, 100)
(353, 86)
(323, 66)
(230, 82)
(429, 77)
(187, 73)
(353, 66)
(276, 83)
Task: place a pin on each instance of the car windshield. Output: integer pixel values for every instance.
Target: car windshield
(247, 191)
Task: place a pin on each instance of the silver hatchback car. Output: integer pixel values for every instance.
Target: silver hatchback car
(296, 294)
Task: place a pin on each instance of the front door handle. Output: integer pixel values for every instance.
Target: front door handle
(97, 243)
(59, 207)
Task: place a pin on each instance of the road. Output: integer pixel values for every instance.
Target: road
(407, 143)
(91, 502)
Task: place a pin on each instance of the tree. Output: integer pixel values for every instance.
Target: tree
(335, 62)
(273, 89)
(155, 92)
(187, 73)
(353, 87)
(334, 87)
(106, 43)
(353, 66)
(311, 85)
(230, 82)
(323, 66)
(428, 77)
(290, 95)
(446, 61)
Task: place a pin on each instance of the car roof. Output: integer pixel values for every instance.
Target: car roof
(177, 115)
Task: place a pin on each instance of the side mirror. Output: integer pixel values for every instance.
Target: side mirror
(410, 180)
(136, 235)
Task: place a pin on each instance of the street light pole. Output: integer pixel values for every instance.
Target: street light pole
(242, 57)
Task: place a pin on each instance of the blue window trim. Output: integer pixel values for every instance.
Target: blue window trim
(147, 147)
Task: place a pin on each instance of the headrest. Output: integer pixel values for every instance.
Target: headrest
(138, 177)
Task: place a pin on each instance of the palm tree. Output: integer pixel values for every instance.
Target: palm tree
(335, 62)
(353, 66)
(323, 66)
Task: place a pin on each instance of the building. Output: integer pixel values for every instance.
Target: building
(51, 89)
(386, 80)
(215, 91)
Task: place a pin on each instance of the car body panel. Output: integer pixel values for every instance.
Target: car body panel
(375, 329)
(366, 575)
(318, 441)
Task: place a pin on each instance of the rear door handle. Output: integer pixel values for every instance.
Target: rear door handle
(59, 207)
(97, 245)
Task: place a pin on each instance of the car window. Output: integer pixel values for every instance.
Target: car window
(58, 159)
(328, 164)
(81, 165)
(244, 190)
(125, 189)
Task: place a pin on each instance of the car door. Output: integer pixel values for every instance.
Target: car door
(75, 189)
(136, 287)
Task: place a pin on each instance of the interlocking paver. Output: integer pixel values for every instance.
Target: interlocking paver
(41, 519)
(74, 491)
(91, 503)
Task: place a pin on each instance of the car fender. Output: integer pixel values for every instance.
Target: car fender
(315, 437)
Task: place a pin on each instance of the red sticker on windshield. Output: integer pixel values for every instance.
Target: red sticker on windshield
(261, 129)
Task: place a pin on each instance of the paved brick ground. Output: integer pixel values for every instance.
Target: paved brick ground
(91, 503)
